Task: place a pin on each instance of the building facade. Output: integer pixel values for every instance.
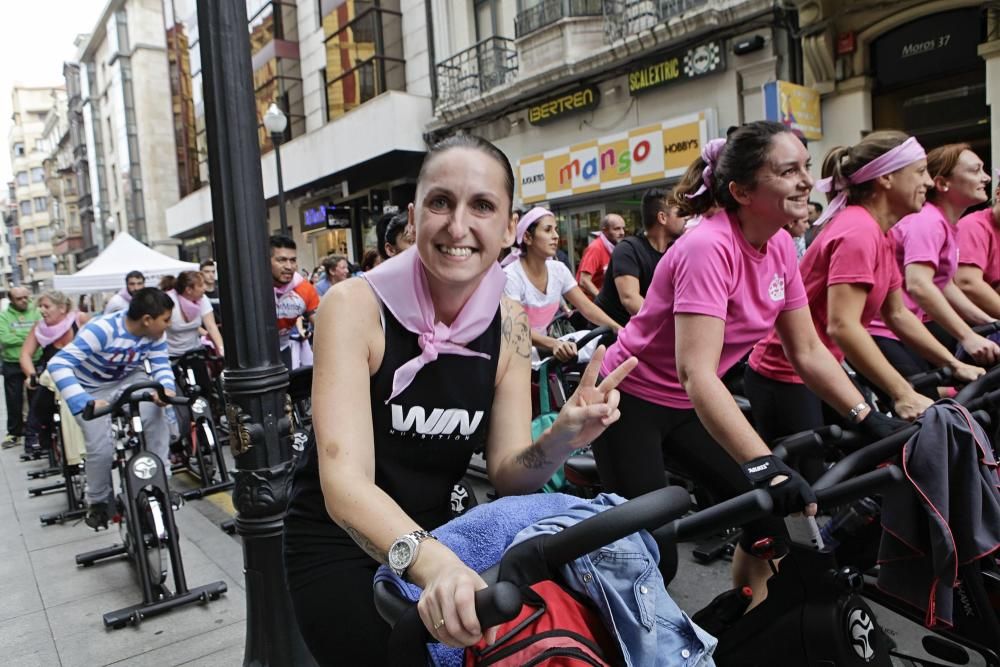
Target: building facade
(354, 78)
(28, 151)
(929, 68)
(595, 101)
(128, 125)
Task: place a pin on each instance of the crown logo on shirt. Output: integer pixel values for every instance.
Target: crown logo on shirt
(776, 290)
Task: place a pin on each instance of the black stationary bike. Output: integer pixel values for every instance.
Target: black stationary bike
(144, 513)
(199, 450)
(74, 481)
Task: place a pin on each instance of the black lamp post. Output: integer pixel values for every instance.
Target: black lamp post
(254, 381)
(275, 122)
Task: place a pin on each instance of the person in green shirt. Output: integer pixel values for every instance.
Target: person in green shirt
(15, 325)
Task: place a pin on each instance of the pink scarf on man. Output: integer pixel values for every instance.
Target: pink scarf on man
(46, 334)
(123, 293)
(401, 284)
(289, 286)
(191, 310)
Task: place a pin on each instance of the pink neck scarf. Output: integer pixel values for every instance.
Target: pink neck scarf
(710, 155)
(530, 218)
(123, 293)
(46, 334)
(191, 310)
(902, 155)
(287, 287)
(608, 245)
(401, 285)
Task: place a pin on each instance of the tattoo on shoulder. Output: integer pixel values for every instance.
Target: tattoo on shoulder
(521, 335)
(367, 545)
(533, 457)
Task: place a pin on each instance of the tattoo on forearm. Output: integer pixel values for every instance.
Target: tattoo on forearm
(533, 457)
(366, 544)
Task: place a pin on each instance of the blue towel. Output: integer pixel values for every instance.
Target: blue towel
(479, 537)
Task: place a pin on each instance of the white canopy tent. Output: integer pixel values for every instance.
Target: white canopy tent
(107, 271)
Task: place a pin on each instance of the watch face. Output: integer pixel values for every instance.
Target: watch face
(400, 554)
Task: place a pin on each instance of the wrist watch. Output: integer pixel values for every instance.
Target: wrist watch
(857, 411)
(404, 550)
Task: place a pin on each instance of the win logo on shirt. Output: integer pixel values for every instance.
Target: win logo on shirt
(440, 423)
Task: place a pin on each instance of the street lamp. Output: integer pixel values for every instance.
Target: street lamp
(276, 121)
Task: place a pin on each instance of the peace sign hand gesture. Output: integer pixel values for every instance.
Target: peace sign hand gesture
(592, 407)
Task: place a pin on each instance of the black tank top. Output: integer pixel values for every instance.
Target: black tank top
(424, 438)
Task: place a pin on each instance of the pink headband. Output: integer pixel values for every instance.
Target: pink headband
(710, 154)
(902, 155)
(530, 218)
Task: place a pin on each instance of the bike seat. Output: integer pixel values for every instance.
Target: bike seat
(581, 470)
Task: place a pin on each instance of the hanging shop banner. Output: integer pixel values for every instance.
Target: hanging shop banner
(582, 99)
(327, 216)
(650, 153)
(931, 46)
(794, 106)
(707, 58)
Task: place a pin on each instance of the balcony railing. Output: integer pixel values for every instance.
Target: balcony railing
(550, 11)
(628, 17)
(470, 73)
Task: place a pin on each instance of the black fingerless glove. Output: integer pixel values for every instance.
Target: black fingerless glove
(878, 426)
(790, 495)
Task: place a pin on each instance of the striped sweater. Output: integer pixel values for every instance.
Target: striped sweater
(103, 353)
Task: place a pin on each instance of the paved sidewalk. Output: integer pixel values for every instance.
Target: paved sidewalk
(51, 608)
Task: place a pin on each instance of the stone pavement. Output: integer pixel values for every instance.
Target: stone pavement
(50, 609)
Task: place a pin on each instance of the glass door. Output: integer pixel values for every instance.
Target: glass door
(575, 228)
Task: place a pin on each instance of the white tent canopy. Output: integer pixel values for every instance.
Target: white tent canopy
(107, 271)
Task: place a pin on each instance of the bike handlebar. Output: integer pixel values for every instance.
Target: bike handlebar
(978, 386)
(580, 343)
(939, 377)
(791, 447)
(91, 411)
(988, 328)
(196, 354)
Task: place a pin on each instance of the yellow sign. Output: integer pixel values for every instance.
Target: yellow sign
(650, 153)
(796, 106)
(549, 110)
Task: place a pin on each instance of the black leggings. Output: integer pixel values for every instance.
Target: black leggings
(904, 360)
(334, 602)
(631, 457)
(781, 408)
(40, 412)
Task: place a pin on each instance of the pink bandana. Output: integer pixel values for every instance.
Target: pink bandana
(710, 155)
(401, 285)
(46, 334)
(530, 218)
(902, 155)
(608, 245)
(191, 310)
(123, 293)
(287, 287)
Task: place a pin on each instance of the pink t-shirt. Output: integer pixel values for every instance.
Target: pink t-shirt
(851, 249)
(711, 270)
(926, 238)
(979, 244)
(540, 307)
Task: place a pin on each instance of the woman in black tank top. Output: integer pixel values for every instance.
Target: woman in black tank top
(411, 376)
(56, 330)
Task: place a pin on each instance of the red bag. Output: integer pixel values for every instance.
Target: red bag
(554, 629)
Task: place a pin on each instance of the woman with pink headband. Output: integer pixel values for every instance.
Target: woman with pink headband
(927, 254)
(429, 333)
(719, 289)
(850, 275)
(978, 274)
(540, 285)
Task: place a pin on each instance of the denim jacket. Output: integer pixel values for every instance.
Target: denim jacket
(623, 581)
